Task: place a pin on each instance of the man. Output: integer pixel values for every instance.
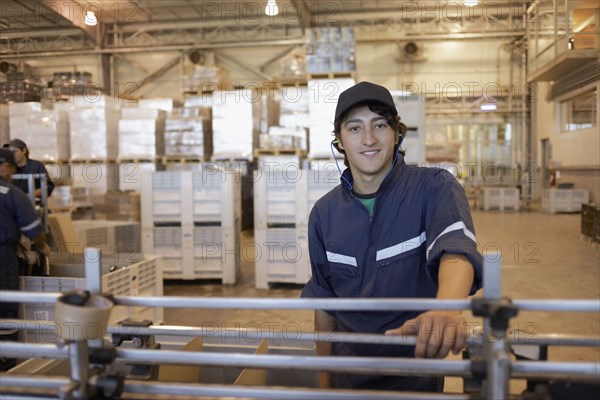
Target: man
(28, 166)
(17, 216)
(389, 230)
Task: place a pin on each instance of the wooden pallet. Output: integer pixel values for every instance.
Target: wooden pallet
(340, 158)
(280, 152)
(54, 162)
(331, 75)
(286, 82)
(97, 160)
(229, 159)
(182, 159)
(141, 160)
(217, 86)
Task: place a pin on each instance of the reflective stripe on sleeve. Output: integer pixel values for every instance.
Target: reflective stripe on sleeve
(31, 225)
(402, 247)
(454, 227)
(341, 259)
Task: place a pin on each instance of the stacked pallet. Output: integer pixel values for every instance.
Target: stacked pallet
(193, 219)
(564, 200)
(283, 199)
(498, 198)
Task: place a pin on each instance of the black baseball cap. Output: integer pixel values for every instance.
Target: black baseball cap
(7, 156)
(18, 143)
(364, 92)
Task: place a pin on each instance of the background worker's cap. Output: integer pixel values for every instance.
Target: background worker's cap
(364, 92)
(18, 143)
(7, 156)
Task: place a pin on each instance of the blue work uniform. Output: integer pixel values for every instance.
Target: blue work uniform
(17, 216)
(419, 215)
(33, 167)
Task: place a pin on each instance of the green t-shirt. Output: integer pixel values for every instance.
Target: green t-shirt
(367, 200)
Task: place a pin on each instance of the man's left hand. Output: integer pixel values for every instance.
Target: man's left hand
(437, 332)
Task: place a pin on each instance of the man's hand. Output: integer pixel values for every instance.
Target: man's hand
(42, 244)
(45, 249)
(437, 332)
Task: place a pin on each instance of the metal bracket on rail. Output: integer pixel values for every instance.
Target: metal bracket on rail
(138, 371)
(499, 311)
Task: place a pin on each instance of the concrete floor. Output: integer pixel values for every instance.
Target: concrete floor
(543, 257)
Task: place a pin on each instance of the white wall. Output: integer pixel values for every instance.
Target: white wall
(570, 149)
(577, 149)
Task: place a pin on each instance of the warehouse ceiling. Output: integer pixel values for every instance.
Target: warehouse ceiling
(46, 27)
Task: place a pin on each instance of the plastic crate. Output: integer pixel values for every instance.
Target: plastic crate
(500, 198)
(200, 252)
(320, 182)
(564, 200)
(281, 255)
(92, 175)
(109, 236)
(206, 195)
(162, 195)
(134, 276)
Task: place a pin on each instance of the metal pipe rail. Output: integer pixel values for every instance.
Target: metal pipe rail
(157, 388)
(257, 335)
(364, 365)
(197, 390)
(584, 371)
(380, 304)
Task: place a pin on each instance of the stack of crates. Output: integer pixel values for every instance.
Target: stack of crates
(283, 200)
(193, 219)
(109, 236)
(501, 198)
(125, 274)
(564, 200)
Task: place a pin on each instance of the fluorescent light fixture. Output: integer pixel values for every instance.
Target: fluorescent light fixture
(90, 19)
(488, 107)
(271, 9)
(471, 3)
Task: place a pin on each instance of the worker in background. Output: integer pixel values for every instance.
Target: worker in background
(28, 166)
(389, 230)
(17, 216)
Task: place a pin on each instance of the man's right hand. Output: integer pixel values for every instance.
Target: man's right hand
(44, 249)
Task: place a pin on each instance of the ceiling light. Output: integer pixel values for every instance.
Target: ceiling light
(271, 9)
(90, 19)
(471, 3)
(488, 107)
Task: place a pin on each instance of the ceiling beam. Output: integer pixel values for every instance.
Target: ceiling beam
(243, 66)
(75, 13)
(277, 57)
(305, 14)
(195, 24)
(152, 49)
(152, 77)
(35, 33)
(134, 64)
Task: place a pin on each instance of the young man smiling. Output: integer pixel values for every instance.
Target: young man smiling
(389, 230)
